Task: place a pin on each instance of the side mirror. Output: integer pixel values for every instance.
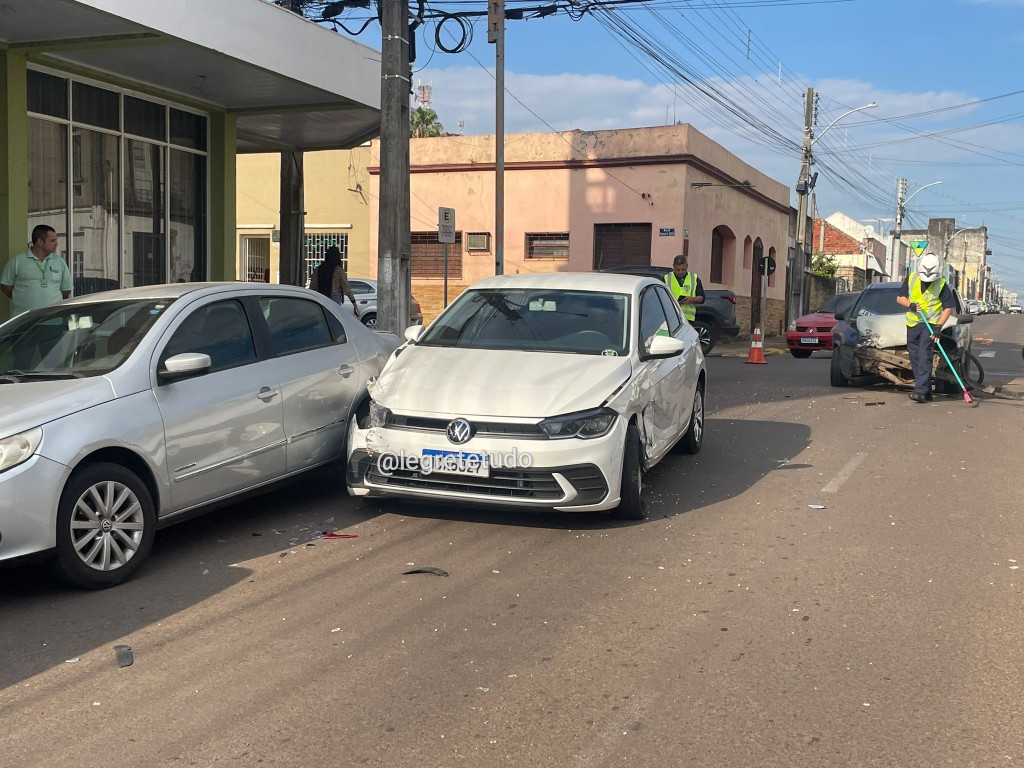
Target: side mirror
(965, 319)
(840, 315)
(414, 332)
(185, 365)
(663, 347)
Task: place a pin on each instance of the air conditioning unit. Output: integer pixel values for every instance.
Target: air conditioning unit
(478, 241)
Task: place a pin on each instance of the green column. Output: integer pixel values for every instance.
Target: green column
(223, 227)
(13, 160)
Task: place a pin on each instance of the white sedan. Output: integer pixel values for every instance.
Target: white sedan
(548, 391)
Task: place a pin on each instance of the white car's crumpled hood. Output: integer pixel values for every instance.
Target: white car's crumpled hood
(29, 404)
(485, 382)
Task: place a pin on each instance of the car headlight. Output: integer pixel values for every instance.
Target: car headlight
(586, 424)
(379, 415)
(18, 448)
(792, 326)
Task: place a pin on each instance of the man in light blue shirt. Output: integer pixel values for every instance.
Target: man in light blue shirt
(38, 276)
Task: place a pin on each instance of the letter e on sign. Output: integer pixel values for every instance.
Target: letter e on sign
(446, 225)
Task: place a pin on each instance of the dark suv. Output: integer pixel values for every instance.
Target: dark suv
(715, 317)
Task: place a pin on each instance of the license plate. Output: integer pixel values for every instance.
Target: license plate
(808, 339)
(454, 463)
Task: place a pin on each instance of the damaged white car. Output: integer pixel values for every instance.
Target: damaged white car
(549, 391)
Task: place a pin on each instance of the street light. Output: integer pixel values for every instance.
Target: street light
(903, 207)
(872, 105)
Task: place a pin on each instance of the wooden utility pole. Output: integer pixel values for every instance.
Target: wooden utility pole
(393, 238)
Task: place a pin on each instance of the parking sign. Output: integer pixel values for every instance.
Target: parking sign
(446, 225)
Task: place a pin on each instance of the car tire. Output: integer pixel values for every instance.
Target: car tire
(112, 501)
(369, 320)
(631, 505)
(708, 335)
(800, 353)
(835, 370)
(693, 439)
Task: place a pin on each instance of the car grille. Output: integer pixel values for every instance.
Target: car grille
(512, 484)
(483, 428)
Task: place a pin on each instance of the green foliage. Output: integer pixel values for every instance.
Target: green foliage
(423, 123)
(824, 265)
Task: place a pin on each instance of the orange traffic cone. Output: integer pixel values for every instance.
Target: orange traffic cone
(756, 347)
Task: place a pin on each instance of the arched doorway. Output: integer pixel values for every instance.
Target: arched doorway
(756, 281)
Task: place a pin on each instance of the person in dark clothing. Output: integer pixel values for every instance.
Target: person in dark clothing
(330, 279)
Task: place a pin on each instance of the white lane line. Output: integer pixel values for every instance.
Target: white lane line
(988, 353)
(844, 474)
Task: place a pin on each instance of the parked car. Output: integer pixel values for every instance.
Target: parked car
(592, 378)
(127, 410)
(715, 318)
(809, 333)
(974, 307)
(853, 354)
(365, 291)
(1015, 309)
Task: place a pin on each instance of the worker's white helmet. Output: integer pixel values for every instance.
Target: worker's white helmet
(928, 268)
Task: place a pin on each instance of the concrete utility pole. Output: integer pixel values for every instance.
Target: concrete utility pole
(393, 238)
(292, 204)
(897, 232)
(800, 263)
(496, 35)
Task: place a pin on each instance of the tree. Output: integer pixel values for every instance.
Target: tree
(824, 265)
(423, 123)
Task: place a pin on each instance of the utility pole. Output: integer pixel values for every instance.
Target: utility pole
(897, 232)
(393, 238)
(496, 35)
(800, 262)
(292, 203)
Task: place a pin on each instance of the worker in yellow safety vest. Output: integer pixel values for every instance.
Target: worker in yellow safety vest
(685, 286)
(925, 291)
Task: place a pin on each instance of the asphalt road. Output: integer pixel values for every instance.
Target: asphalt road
(736, 626)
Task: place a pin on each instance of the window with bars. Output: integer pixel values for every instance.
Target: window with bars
(316, 247)
(547, 245)
(255, 267)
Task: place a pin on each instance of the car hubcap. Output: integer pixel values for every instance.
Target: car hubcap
(698, 416)
(371, 323)
(705, 336)
(107, 526)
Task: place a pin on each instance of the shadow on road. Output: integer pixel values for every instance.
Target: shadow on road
(42, 623)
(736, 455)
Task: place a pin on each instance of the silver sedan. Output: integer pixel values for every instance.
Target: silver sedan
(128, 410)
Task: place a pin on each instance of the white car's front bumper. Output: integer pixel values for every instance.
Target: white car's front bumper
(29, 495)
(565, 475)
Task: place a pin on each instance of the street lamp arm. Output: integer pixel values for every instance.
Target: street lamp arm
(931, 184)
(872, 105)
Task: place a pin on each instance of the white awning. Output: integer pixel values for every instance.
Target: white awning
(291, 83)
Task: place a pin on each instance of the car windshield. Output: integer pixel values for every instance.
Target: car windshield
(75, 340)
(881, 301)
(535, 319)
(841, 302)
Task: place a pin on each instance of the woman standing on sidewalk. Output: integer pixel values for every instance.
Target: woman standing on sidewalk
(330, 279)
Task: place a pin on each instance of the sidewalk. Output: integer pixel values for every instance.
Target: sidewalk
(773, 345)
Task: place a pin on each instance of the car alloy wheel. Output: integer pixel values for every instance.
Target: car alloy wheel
(631, 505)
(692, 441)
(105, 526)
(370, 321)
(707, 338)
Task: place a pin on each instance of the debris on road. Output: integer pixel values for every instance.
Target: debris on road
(426, 569)
(124, 655)
(72, 661)
(817, 506)
(337, 535)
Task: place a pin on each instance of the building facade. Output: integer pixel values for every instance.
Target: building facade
(578, 201)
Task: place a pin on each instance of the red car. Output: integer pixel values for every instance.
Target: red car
(814, 331)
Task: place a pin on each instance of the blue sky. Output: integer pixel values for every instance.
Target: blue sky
(910, 56)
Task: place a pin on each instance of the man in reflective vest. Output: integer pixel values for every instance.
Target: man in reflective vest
(925, 291)
(685, 286)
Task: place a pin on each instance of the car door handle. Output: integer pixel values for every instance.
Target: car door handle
(266, 394)
(346, 370)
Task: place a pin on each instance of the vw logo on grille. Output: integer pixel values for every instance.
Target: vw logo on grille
(459, 431)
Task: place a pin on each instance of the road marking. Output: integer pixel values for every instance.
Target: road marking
(989, 353)
(844, 474)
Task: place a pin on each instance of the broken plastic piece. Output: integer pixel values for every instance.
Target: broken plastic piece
(337, 535)
(427, 569)
(124, 655)
(816, 506)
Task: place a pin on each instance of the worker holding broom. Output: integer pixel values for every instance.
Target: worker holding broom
(924, 292)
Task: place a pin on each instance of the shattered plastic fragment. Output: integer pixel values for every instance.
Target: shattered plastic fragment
(124, 655)
(816, 506)
(72, 661)
(427, 569)
(337, 535)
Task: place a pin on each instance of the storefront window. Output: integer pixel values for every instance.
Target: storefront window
(127, 176)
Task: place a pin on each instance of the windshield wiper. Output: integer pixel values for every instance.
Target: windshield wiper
(43, 375)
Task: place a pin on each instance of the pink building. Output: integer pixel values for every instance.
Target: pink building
(578, 201)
